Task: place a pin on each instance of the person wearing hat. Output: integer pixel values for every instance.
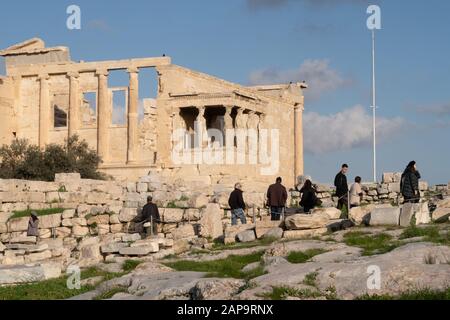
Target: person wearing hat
(33, 225)
(237, 205)
(409, 184)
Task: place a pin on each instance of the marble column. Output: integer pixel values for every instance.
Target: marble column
(44, 110)
(103, 116)
(74, 103)
(201, 127)
(298, 137)
(228, 127)
(133, 105)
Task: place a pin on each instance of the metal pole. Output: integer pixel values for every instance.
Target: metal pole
(374, 107)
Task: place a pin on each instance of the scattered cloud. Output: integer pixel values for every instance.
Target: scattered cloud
(318, 74)
(351, 128)
(436, 109)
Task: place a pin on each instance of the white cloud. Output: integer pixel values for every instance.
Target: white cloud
(437, 110)
(351, 128)
(317, 73)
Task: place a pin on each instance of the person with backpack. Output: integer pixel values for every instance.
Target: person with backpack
(309, 199)
(409, 184)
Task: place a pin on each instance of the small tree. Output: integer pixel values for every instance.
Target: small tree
(21, 160)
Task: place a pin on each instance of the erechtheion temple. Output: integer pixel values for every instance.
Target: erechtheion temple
(46, 97)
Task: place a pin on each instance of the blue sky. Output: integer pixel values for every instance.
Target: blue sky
(325, 42)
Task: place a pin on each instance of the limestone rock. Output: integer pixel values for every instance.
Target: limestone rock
(68, 213)
(276, 233)
(23, 239)
(246, 236)
(19, 224)
(79, 231)
(307, 221)
(113, 247)
(182, 232)
(50, 221)
(302, 234)
(361, 214)
(172, 215)
(441, 214)
(406, 214)
(127, 214)
(385, 216)
(131, 237)
(151, 247)
(210, 223)
(216, 289)
(333, 213)
(39, 256)
(27, 274)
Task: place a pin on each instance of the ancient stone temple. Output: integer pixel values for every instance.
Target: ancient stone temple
(46, 97)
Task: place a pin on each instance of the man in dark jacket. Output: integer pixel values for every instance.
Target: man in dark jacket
(340, 182)
(276, 199)
(149, 214)
(237, 205)
(409, 184)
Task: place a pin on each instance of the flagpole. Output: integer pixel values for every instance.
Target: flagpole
(374, 107)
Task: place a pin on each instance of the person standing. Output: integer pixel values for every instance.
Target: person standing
(237, 205)
(340, 182)
(150, 213)
(33, 225)
(309, 198)
(276, 199)
(409, 184)
(356, 193)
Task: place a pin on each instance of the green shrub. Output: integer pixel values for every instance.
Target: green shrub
(302, 257)
(42, 212)
(371, 244)
(20, 160)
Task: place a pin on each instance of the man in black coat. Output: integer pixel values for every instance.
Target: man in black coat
(340, 182)
(409, 184)
(237, 205)
(150, 213)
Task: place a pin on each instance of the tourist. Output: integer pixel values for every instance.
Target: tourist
(276, 199)
(340, 182)
(409, 184)
(33, 225)
(309, 198)
(149, 214)
(356, 193)
(237, 205)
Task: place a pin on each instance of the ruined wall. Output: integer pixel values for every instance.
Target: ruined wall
(7, 116)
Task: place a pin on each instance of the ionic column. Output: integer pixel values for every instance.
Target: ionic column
(133, 104)
(103, 116)
(44, 110)
(298, 136)
(74, 103)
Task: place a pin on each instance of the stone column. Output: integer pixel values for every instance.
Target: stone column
(74, 104)
(44, 110)
(103, 116)
(133, 105)
(298, 137)
(228, 126)
(201, 125)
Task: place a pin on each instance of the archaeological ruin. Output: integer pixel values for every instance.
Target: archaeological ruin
(46, 97)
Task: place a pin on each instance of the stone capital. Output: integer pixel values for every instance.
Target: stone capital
(102, 72)
(43, 76)
(73, 74)
(133, 70)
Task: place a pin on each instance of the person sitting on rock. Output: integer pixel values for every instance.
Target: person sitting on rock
(276, 199)
(356, 193)
(149, 214)
(237, 205)
(33, 225)
(309, 198)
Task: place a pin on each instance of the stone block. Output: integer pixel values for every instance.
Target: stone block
(302, 234)
(80, 231)
(183, 232)
(113, 247)
(50, 221)
(385, 216)
(151, 247)
(306, 221)
(128, 214)
(210, 223)
(172, 215)
(246, 236)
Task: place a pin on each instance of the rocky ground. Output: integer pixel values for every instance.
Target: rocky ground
(341, 265)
